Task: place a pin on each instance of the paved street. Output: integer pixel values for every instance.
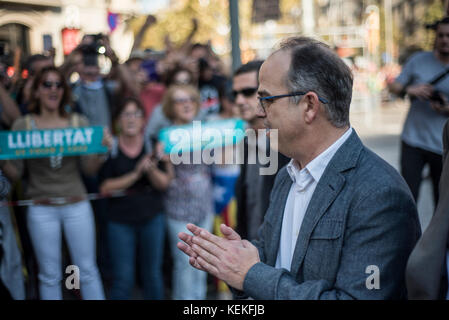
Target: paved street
(380, 130)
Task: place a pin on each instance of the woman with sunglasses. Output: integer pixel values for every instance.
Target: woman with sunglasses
(58, 177)
(179, 75)
(135, 221)
(189, 196)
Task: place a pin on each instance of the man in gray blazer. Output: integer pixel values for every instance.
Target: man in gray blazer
(427, 267)
(341, 222)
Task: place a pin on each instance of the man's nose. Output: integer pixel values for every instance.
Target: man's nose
(260, 111)
(240, 99)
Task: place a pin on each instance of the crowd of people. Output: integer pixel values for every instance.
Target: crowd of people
(124, 242)
(344, 208)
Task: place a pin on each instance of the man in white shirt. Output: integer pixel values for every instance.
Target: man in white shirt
(341, 221)
(304, 184)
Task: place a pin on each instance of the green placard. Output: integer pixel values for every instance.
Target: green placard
(202, 135)
(51, 142)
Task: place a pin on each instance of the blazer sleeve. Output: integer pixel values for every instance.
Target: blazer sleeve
(381, 229)
(445, 141)
(259, 242)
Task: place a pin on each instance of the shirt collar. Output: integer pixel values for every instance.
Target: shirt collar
(316, 167)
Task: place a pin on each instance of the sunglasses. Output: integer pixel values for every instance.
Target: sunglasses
(50, 84)
(247, 92)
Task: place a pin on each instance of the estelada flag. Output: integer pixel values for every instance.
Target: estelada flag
(113, 20)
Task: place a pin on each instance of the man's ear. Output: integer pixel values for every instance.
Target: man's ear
(312, 107)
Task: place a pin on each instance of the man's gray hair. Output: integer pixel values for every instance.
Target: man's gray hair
(315, 67)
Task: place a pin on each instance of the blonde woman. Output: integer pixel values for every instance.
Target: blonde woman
(189, 196)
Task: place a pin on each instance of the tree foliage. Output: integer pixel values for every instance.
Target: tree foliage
(175, 22)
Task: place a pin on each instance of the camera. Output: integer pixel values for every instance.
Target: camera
(95, 45)
(437, 97)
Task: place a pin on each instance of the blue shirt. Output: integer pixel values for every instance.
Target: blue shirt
(423, 127)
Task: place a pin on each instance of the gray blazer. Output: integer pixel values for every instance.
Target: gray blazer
(361, 214)
(426, 272)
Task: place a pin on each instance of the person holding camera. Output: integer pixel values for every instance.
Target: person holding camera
(425, 79)
(93, 93)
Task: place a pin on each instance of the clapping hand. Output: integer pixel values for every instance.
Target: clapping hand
(228, 258)
(159, 153)
(145, 165)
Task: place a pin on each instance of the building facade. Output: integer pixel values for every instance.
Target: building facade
(36, 25)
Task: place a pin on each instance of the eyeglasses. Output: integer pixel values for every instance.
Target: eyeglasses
(183, 100)
(131, 115)
(247, 92)
(183, 81)
(263, 100)
(50, 84)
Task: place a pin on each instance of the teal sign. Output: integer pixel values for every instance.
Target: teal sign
(202, 135)
(51, 142)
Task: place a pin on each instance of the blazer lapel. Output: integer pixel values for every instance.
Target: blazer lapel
(329, 186)
(277, 219)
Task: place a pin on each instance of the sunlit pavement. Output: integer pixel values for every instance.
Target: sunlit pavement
(380, 128)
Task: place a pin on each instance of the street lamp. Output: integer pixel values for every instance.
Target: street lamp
(235, 33)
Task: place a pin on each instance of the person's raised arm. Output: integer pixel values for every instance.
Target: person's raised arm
(70, 63)
(187, 44)
(121, 72)
(10, 111)
(151, 20)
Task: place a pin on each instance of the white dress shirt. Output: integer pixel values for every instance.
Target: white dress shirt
(304, 183)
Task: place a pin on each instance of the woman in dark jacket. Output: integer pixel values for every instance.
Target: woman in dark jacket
(137, 220)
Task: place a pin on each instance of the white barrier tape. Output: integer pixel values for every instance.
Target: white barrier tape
(65, 200)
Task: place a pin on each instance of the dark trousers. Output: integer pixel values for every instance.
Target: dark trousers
(413, 161)
(143, 242)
